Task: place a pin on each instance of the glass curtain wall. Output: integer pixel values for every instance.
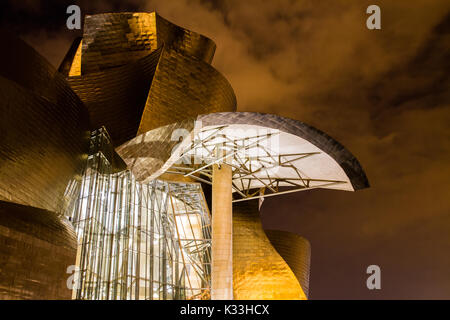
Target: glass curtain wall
(138, 241)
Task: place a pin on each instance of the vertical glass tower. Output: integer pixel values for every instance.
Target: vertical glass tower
(137, 241)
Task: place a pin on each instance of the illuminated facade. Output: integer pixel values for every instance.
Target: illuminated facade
(138, 241)
(133, 165)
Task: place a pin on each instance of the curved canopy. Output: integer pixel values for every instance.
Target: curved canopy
(265, 151)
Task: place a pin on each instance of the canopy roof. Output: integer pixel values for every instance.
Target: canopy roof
(265, 151)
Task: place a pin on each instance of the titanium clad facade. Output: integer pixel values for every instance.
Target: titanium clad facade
(185, 41)
(115, 98)
(22, 64)
(137, 71)
(43, 145)
(115, 39)
(184, 87)
(259, 272)
(43, 131)
(296, 251)
(36, 249)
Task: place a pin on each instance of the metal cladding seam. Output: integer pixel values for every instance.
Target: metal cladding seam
(184, 87)
(115, 98)
(44, 129)
(140, 68)
(296, 251)
(115, 39)
(259, 272)
(142, 160)
(65, 68)
(44, 139)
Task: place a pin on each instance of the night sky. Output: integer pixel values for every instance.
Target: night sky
(384, 94)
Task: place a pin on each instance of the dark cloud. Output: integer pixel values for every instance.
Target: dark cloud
(384, 94)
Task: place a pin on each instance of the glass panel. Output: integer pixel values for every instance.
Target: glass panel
(138, 241)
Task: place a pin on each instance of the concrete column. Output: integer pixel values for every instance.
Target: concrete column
(222, 237)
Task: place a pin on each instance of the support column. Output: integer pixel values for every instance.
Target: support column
(77, 273)
(222, 237)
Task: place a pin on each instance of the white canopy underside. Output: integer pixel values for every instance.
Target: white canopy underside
(261, 157)
(265, 152)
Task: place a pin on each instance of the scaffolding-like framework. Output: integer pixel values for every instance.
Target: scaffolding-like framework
(255, 163)
(138, 241)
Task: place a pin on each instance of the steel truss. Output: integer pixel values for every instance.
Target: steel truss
(138, 241)
(253, 163)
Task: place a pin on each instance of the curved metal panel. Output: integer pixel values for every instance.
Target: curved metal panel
(148, 153)
(184, 40)
(44, 135)
(36, 249)
(42, 147)
(114, 39)
(338, 162)
(296, 251)
(259, 272)
(71, 64)
(116, 98)
(119, 75)
(43, 128)
(184, 87)
(22, 64)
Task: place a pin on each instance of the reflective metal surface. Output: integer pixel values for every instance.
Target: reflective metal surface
(151, 85)
(71, 64)
(36, 249)
(147, 155)
(115, 39)
(137, 71)
(115, 98)
(296, 251)
(22, 64)
(184, 87)
(43, 130)
(259, 272)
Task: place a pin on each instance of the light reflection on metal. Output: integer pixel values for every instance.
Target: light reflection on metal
(137, 71)
(138, 241)
(296, 251)
(259, 272)
(44, 129)
(115, 39)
